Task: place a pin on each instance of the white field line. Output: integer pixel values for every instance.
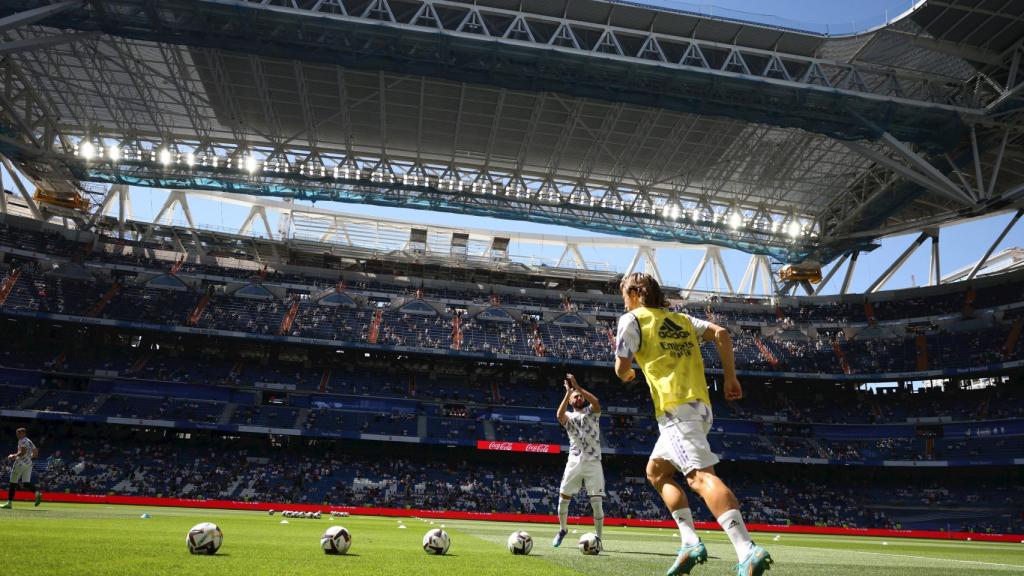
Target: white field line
(938, 559)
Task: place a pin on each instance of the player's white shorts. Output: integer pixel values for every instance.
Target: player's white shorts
(684, 438)
(21, 472)
(579, 473)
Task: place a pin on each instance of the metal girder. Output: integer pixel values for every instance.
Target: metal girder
(123, 207)
(638, 212)
(849, 273)
(692, 283)
(1006, 260)
(718, 269)
(832, 271)
(39, 42)
(573, 251)
(101, 210)
(898, 263)
(524, 28)
(988, 253)
(35, 14)
(25, 195)
(758, 268)
(927, 168)
(935, 270)
(916, 169)
(749, 277)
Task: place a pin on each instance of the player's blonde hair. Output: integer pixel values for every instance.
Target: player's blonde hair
(646, 288)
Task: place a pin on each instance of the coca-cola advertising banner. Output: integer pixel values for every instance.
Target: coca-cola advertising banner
(517, 447)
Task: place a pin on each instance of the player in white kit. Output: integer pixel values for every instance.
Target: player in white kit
(21, 469)
(583, 424)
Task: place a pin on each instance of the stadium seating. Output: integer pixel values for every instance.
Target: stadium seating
(205, 351)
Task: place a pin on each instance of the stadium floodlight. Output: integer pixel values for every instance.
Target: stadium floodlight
(735, 220)
(794, 229)
(251, 164)
(165, 156)
(86, 150)
(190, 159)
(113, 153)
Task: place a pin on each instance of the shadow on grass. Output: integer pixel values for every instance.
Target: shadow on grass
(662, 554)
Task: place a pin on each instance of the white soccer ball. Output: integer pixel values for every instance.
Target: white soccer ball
(336, 540)
(520, 543)
(590, 544)
(436, 542)
(204, 538)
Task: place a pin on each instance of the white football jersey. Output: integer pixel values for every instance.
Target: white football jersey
(584, 429)
(29, 449)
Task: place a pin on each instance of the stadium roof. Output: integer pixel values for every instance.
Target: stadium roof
(608, 116)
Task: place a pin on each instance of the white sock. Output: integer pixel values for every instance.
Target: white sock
(563, 513)
(684, 518)
(732, 523)
(597, 503)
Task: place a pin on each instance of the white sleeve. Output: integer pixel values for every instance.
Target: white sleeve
(627, 337)
(699, 326)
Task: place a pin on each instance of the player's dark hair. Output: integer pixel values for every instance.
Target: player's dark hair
(646, 288)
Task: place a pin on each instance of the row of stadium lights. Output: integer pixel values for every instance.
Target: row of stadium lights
(249, 163)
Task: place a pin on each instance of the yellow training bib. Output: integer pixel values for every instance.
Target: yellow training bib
(670, 358)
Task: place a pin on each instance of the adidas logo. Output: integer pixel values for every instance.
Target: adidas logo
(670, 329)
(732, 524)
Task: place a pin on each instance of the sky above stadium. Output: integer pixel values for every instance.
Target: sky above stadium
(822, 16)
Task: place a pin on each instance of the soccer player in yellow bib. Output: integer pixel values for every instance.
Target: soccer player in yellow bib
(666, 345)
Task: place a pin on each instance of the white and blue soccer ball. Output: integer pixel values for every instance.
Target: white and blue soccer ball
(204, 538)
(336, 540)
(520, 543)
(590, 544)
(436, 542)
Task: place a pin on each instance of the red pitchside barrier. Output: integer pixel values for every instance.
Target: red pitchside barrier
(500, 517)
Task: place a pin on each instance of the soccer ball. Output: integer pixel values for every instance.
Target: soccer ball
(336, 540)
(204, 538)
(590, 544)
(436, 542)
(520, 542)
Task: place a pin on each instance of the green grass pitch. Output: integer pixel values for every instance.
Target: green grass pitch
(100, 539)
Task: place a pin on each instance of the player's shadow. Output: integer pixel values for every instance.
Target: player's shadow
(663, 554)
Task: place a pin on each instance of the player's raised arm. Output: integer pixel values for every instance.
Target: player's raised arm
(723, 342)
(595, 405)
(561, 413)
